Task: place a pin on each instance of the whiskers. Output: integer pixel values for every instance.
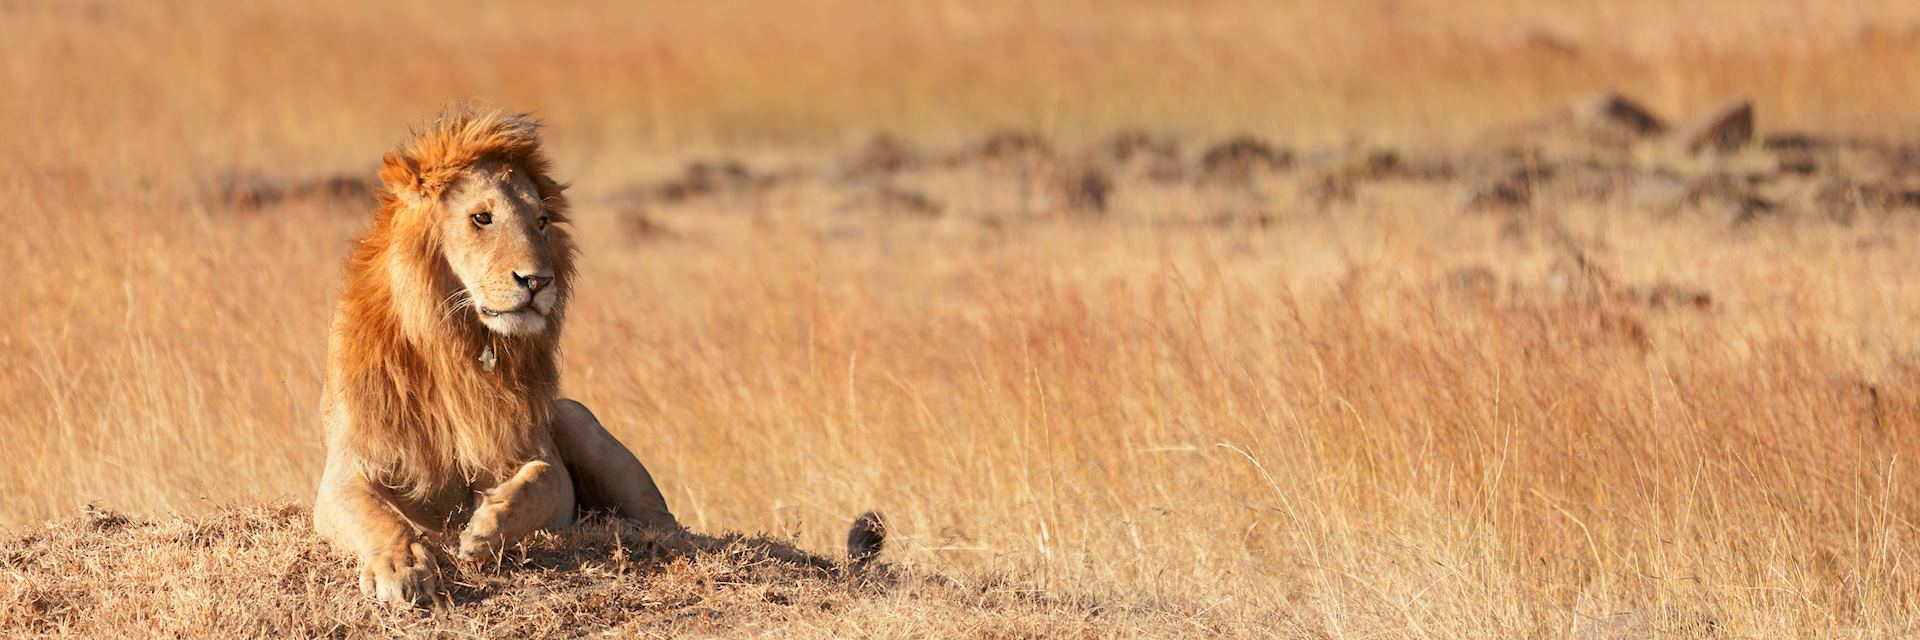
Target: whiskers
(459, 300)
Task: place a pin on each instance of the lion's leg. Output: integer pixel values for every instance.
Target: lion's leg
(539, 496)
(606, 472)
(394, 567)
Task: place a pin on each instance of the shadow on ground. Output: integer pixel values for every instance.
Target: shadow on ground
(260, 571)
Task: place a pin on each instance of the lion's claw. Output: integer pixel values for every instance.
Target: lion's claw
(407, 578)
(482, 539)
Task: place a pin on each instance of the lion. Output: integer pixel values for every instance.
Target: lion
(441, 402)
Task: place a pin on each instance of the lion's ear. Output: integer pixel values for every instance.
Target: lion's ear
(552, 194)
(401, 176)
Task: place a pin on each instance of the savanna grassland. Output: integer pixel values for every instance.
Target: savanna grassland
(1320, 320)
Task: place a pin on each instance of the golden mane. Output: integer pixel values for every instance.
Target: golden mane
(418, 408)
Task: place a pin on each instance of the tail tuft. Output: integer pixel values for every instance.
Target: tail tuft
(869, 533)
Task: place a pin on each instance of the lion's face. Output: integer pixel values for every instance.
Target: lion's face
(494, 235)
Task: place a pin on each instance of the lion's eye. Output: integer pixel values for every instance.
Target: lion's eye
(542, 222)
(483, 218)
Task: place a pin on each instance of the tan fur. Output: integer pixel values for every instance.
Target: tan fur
(424, 435)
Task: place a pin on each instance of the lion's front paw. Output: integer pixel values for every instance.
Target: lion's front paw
(482, 539)
(406, 577)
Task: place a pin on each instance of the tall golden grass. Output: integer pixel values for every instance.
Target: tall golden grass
(1301, 429)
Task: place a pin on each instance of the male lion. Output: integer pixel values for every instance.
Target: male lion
(441, 405)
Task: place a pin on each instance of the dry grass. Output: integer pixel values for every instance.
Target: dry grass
(599, 577)
(1212, 410)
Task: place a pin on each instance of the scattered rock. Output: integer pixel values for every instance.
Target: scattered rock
(1381, 164)
(1138, 153)
(894, 201)
(1495, 196)
(637, 225)
(1661, 193)
(1723, 129)
(1614, 118)
(1588, 180)
(1799, 154)
(1797, 164)
(258, 192)
(1328, 190)
(1375, 164)
(249, 191)
(1084, 189)
(1004, 148)
(1506, 193)
(1232, 218)
(1793, 141)
(1841, 197)
(705, 178)
(1746, 210)
(335, 187)
(1237, 159)
(1127, 146)
(1899, 158)
(1167, 170)
(1666, 295)
(883, 155)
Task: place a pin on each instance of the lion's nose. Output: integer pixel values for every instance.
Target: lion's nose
(532, 283)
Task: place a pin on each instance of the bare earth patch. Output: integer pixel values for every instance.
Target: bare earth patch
(259, 571)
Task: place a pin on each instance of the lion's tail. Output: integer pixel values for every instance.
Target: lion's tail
(864, 540)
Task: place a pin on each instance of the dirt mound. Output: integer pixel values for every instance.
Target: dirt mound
(259, 571)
